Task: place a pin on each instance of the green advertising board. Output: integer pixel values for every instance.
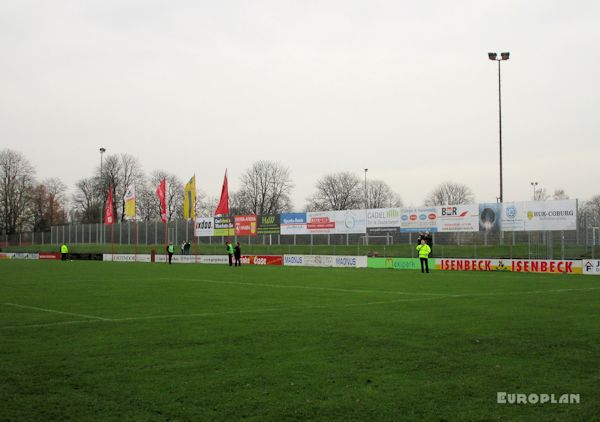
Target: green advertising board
(398, 263)
(221, 225)
(267, 224)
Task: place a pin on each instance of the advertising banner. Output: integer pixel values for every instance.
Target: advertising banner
(223, 226)
(539, 215)
(262, 260)
(126, 257)
(267, 224)
(458, 218)
(337, 261)
(513, 265)
(528, 216)
(245, 225)
(591, 267)
(293, 223)
(350, 221)
(398, 263)
(418, 219)
(193, 259)
(545, 266)
(25, 255)
(49, 255)
(6, 255)
(383, 217)
(204, 227)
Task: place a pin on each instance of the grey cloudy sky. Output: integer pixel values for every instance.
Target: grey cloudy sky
(404, 88)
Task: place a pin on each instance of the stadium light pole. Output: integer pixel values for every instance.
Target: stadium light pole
(534, 184)
(102, 151)
(366, 201)
(494, 57)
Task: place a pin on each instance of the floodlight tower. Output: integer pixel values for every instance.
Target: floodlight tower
(494, 57)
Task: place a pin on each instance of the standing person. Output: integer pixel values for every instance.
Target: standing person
(170, 251)
(182, 248)
(419, 237)
(64, 251)
(238, 254)
(429, 241)
(424, 251)
(229, 252)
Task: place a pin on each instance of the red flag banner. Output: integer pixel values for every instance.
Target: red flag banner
(161, 192)
(223, 207)
(109, 214)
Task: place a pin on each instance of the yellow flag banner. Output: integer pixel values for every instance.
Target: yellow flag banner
(130, 202)
(189, 200)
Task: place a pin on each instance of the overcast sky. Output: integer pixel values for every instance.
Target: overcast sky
(404, 88)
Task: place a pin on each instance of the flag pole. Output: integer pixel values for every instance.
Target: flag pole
(194, 222)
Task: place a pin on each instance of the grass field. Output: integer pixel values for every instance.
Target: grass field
(112, 341)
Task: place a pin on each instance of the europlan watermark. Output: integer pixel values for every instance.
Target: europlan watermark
(503, 397)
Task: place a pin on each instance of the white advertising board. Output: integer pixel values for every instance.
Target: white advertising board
(528, 216)
(383, 217)
(591, 267)
(458, 218)
(126, 257)
(204, 226)
(336, 261)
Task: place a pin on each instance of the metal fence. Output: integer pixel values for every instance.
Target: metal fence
(541, 245)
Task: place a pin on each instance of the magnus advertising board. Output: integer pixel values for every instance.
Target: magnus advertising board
(336, 261)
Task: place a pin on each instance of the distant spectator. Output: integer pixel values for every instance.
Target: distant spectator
(64, 252)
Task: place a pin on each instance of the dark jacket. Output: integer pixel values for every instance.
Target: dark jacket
(237, 251)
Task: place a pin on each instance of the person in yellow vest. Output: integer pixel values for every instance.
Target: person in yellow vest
(424, 251)
(170, 251)
(64, 251)
(229, 247)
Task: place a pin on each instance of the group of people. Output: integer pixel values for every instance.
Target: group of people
(234, 253)
(424, 247)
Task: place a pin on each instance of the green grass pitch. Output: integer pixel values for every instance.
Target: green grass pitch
(120, 341)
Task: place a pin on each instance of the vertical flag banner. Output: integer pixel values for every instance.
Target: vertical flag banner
(189, 199)
(130, 202)
(109, 216)
(161, 192)
(223, 207)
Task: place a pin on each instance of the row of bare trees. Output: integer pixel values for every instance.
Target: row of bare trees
(264, 188)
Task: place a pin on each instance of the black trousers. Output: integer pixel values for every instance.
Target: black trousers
(63, 256)
(230, 260)
(424, 261)
(170, 256)
(238, 261)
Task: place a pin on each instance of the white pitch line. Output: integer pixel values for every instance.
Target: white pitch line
(50, 324)
(54, 311)
(292, 286)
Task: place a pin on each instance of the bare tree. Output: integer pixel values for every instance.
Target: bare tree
(48, 202)
(265, 189)
(175, 193)
(541, 195)
(131, 174)
(337, 191)
(450, 193)
(16, 182)
(559, 194)
(111, 176)
(87, 200)
(589, 213)
(380, 195)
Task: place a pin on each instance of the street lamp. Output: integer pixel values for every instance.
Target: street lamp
(366, 201)
(534, 184)
(102, 151)
(494, 57)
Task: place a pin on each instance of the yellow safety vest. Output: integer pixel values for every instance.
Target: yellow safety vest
(64, 249)
(424, 250)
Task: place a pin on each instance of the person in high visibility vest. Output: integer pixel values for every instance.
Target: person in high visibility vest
(170, 251)
(229, 252)
(424, 251)
(64, 251)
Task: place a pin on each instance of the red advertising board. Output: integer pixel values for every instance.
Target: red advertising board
(244, 225)
(262, 260)
(465, 264)
(535, 266)
(49, 255)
